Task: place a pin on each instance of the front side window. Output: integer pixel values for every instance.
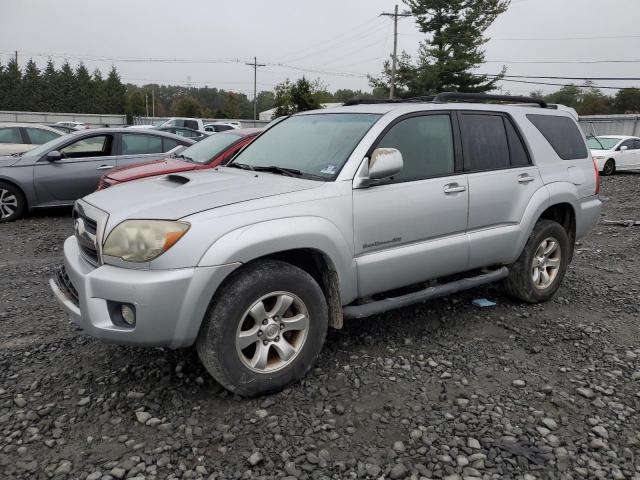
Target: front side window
(140, 144)
(636, 144)
(484, 142)
(37, 136)
(627, 143)
(563, 135)
(426, 144)
(316, 145)
(10, 135)
(97, 146)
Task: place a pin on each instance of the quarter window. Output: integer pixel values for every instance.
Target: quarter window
(140, 144)
(563, 135)
(426, 144)
(517, 151)
(168, 144)
(10, 135)
(484, 142)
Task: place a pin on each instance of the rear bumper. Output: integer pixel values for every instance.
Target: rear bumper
(587, 214)
(169, 304)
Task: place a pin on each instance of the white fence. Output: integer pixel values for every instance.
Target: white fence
(97, 120)
(611, 124)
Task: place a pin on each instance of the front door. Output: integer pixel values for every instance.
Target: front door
(78, 172)
(502, 181)
(411, 228)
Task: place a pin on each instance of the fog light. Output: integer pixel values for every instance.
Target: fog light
(128, 314)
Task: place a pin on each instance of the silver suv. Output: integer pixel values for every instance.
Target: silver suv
(330, 215)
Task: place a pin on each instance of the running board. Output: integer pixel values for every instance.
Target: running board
(391, 303)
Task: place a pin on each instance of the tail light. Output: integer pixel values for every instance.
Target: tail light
(595, 167)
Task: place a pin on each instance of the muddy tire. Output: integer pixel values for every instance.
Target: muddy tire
(264, 328)
(537, 274)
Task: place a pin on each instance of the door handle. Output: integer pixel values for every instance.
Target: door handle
(525, 178)
(454, 188)
(104, 167)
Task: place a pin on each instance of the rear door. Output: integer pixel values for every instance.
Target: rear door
(502, 180)
(411, 228)
(141, 147)
(636, 151)
(626, 158)
(78, 172)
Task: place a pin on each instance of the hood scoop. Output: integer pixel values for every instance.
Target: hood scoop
(178, 179)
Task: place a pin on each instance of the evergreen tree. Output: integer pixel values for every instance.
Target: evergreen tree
(627, 100)
(51, 101)
(452, 50)
(114, 93)
(32, 88)
(84, 101)
(99, 94)
(67, 88)
(3, 88)
(13, 86)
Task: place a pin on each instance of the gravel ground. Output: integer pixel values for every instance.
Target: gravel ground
(440, 390)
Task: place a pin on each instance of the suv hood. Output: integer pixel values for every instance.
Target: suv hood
(178, 195)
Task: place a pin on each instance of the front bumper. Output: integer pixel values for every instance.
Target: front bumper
(169, 304)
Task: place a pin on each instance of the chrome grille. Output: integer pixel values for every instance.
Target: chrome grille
(86, 230)
(64, 282)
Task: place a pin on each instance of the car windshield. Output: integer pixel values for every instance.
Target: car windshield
(602, 143)
(206, 150)
(314, 145)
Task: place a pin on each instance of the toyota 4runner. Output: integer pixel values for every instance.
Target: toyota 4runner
(330, 215)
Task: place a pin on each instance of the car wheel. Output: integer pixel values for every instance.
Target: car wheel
(537, 274)
(609, 167)
(12, 202)
(264, 329)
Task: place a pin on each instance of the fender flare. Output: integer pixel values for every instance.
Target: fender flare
(258, 240)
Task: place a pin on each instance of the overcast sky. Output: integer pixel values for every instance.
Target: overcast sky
(338, 41)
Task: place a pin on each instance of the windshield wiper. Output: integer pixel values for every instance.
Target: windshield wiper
(290, 172)
(596, 139)
(243, 166)
(184, 157)
(17, 154)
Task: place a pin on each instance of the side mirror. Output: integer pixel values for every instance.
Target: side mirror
(54, 156)
(384, 163)
(624, 148)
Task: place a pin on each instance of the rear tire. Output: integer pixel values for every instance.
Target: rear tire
(264, 329)
(537, 274)
(12, 202)
(609, 167)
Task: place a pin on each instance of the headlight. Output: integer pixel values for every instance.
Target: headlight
(143, 240)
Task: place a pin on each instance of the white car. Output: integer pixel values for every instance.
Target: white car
(221, 126)
(75, 125)
(614, 153)
(22, 137)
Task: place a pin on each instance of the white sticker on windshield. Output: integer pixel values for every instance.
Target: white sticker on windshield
(330, 169)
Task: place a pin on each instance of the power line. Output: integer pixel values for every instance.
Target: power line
(560, 62)
(575, 78)
(255, 66)
(541, 39)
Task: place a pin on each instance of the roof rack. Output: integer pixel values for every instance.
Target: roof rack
(444, 97)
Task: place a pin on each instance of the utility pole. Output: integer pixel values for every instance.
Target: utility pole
(146, 104)
(153, 101)
(394, 57)
(255, 66)
(16, 57)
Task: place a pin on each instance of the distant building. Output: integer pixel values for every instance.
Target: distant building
(269, 114)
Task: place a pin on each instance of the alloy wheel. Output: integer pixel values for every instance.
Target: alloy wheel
(272, 332)
(8, 203)
(546, 263)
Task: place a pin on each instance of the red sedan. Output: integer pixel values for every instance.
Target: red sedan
(208, 153)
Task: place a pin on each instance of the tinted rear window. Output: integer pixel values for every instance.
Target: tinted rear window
(563, 135)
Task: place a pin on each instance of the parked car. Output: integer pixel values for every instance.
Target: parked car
(69, 167)
(324, 217)
(184, 132)
(22, 137)
(614, 153)
(192, 123)
(220, 126)
(74, 125)
(61, 128)
(209, 153)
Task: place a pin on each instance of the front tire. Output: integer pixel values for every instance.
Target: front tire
(12, 202)
(537, 274)
(609, 167)
(264, 328)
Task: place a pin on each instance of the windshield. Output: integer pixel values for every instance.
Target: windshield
(317, 145)
(45, 147)
(206, 150)
(602, 143)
